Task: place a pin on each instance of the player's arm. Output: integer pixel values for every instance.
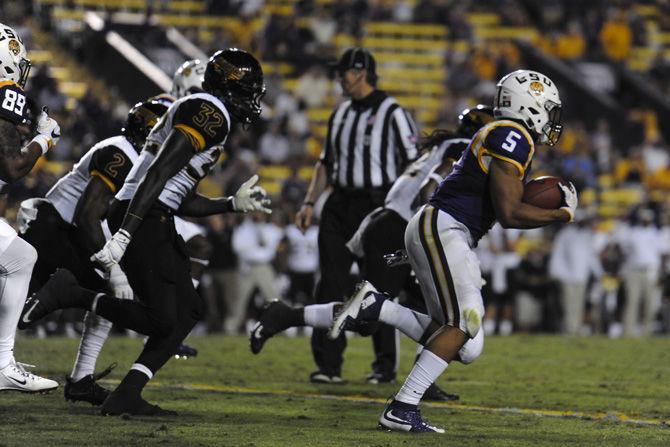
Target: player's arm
(506, 192)
(247, 198)
(91, 211)
(108, 170)
(17, 162)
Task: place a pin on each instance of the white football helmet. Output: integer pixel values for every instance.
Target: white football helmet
(532, 98)
(13, 62)
(190, 75)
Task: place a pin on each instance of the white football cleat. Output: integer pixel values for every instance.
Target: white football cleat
(14, 377)
(351, 311)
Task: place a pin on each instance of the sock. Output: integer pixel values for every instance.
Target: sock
(425, 372)
(96, 330)
(413, 324)
(319, 315)
(136, 379)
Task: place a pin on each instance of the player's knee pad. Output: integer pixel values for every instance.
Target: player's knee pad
(472, 349)
(472, 317)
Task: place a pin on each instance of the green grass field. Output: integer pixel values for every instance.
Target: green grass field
(523, 391)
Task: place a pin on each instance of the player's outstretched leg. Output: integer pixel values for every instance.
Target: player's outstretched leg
(277, 317)
(61, 292)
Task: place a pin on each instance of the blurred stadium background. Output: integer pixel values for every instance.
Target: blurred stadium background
(93, 59)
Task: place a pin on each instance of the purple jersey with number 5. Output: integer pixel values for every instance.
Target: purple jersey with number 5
(465, 194)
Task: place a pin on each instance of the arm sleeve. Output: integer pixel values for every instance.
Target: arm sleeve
(405, 133)
(510, 144)
(202, 122)
(13, 102)
(111, 165)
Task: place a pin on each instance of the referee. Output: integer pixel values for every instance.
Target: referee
(370, 141)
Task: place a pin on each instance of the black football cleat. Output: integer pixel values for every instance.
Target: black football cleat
(436, 394)
(86, 389)
(274, 319)
(59, 292)
(185, 351)
(118, 403)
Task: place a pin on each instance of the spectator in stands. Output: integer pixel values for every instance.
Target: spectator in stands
(601, 142)
(643, 249)
(616, 36)
(573, 261)
(571, 44)
(273, 145)
(323, 27)
(255, 243)
(313, 87)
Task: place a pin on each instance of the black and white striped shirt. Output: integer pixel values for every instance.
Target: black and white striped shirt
(369, 142)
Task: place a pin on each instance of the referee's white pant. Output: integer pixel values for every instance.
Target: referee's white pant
(440, 252)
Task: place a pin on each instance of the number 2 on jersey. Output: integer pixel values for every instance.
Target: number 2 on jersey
(14, 102)
(510, 142)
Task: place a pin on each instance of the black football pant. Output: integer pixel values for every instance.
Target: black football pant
(340, 218)
(166, 305)
(59, 245)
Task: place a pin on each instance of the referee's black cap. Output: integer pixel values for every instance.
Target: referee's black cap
(355, 58)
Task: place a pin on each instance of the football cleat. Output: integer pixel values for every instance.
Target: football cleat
(185, 351)
(436, 394)
(364, 305)
(273, 320)
(55, 294)
(86, 389)
(14, 377)
(399, 416)
(118, 403)
(321, 377)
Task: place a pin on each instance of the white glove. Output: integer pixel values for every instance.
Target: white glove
(48, 131)
(113, 250)
(251, 198)
(119, 283)
(569, 199)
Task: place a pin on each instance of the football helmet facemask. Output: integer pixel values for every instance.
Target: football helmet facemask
(141, 119)
(532, 98)
(473, 119)
(236, 77)
(13, 62)
(188, 78)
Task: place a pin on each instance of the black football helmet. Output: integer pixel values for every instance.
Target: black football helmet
(236, 77)
(471, 120)
(141, 119)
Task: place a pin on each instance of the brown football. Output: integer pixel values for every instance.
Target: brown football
(543, 192)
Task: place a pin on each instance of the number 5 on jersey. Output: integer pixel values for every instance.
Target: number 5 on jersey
(510, 142)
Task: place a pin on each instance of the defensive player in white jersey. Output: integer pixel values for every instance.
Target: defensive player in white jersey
(178, 154)
(17, 257)
(485, 185)
(67, 227)
(382, 232)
